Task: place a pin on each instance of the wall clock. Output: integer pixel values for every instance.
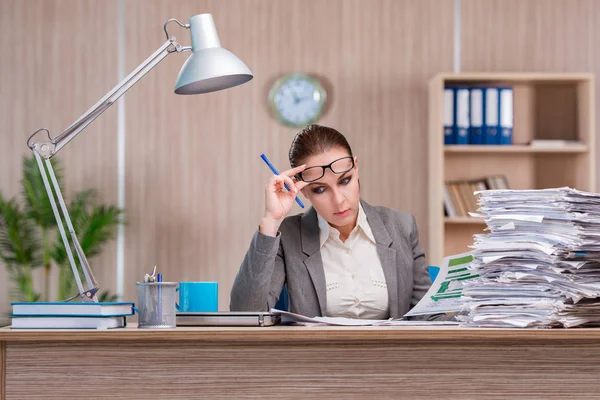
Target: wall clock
(297, 100)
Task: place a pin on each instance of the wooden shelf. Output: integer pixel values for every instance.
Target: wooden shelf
(516, 148)
(534, 77)
(547, 106)
(463, 220)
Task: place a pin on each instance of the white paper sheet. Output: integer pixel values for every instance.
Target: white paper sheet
(288, 317)
(444, 295)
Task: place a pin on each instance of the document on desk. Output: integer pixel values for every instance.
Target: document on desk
(444, 295)
(288, 318)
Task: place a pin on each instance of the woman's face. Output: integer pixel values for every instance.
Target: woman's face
(335, 196)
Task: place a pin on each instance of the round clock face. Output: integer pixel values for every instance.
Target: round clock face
(297, 100)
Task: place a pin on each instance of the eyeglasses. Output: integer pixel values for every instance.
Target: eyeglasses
(339, 166)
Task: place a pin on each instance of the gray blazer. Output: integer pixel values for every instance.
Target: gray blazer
(294, 258)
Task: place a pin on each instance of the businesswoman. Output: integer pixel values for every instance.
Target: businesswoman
(342, 257)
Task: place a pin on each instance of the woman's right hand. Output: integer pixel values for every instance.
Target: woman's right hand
(278, 200)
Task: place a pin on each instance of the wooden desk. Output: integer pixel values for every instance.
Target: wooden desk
(300, 362)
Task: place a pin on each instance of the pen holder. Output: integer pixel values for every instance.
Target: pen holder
(156, 305)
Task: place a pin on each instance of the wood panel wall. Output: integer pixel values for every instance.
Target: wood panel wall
(533, 36)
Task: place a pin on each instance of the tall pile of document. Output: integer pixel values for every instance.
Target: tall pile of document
(539, 263)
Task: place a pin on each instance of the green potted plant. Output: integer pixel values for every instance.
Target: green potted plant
(29, 238)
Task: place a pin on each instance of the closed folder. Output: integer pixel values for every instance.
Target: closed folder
(449, 116)
(476, 115)
(506, 115)
(462, 116)
(491, 111)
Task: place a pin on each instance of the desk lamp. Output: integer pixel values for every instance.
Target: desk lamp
(209, 68)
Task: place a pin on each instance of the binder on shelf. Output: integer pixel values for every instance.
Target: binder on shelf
(506, 116)
(448, 203)
(449, 116)
(467, 196)
(474, 186)
(491, 120)
(462, 115)
(456, 199)
(460, 198)
(476, 115)
(480, 184)
(495, 182)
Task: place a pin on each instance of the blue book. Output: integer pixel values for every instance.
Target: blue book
(66, 322)
(506, 116)
(462, 116)
(476, 116)
(449, 116)
(81, 309)
(491, 112)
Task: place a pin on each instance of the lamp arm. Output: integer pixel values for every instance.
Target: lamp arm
(48, 148)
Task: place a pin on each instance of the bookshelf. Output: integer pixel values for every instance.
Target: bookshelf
(546, 106)
(515, 148)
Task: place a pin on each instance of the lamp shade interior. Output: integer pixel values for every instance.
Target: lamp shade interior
(209, 70)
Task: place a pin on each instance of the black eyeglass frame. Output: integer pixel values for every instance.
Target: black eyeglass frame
(299, 177)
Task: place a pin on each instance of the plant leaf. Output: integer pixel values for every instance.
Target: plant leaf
(66, 281)
(20, 241)
(21, 246)
(23, 290)
(107, 296)
(37, 203)
(94, 226)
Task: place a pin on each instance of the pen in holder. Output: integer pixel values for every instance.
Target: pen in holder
(159, 279)
(156, 304)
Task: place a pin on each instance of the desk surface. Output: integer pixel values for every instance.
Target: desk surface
(301, 333)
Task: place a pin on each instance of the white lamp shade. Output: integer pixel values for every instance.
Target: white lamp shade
(210, 67)
(209, 70)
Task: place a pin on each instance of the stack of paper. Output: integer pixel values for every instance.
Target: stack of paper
(539, 264)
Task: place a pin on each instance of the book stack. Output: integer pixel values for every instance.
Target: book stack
(478, 115)
(459, 197)
(64, 315)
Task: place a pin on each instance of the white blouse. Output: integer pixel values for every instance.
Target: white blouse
(356, 286)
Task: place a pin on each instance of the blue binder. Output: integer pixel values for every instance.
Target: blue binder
(476, 115)
(506, 116)
(449, 115)
(462, 115)
(491, 112)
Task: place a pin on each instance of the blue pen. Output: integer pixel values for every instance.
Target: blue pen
(266, 160)
(159, 279)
